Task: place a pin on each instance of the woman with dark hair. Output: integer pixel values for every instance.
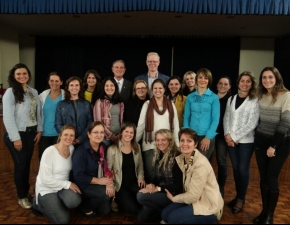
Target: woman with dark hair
(201, 201)
(223, 93)
(168, 176)
(91, 173)
(157, 113)
(140, 96)
(109, 109)
(240, 120)
(175, 94)
(49, 99)
(74, 109)
(125, 160)
(272, 138)
(22, 117)
(92, 84)
(202, 112)
(188, 83)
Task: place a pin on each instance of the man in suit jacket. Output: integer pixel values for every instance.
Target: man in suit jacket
(125, 86)
(152, 61)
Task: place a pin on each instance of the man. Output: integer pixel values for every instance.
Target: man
(125, 86)
(153, 61)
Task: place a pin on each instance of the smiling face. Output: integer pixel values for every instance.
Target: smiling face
(187, 144)
(54, 82)
(268, 80)
(141, 90)
(174, 86)
(118, 70)
(67, 137)
(245, 83)
(21, 76)
(127, 134)
(109, 88)
(158, 90)
(189, 81)
(162, 142)
(97, 134)
(152, 63)
(223, 86)
(74, 88)
(91, 80)
(202, 80)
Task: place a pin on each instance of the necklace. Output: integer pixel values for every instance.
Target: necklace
(64, 153)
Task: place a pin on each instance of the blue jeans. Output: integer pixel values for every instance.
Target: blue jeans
(240, 156)
(21, 161)
(45, 142)
(55, 206)
(153, 204)
(179, 213)
(208, 152)
(96, 199)
(149, 170)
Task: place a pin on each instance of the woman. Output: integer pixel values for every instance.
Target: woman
(157, 113)
(174, 93)
(202, 112)
(74, 109)
(240, 120)
(109, 109)
(91, 173)
(223, 93)
(54, 193)
(168, 176)
(188, 84)
(201, 203)
(92, 84)
(22, 117)
(49, 99)
(125, 160)
(133, 107)
(272, 138)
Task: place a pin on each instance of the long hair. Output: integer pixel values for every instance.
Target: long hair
(134, 143)
(67, 93)
(115, 99)
(279, 85)
(167, 91)
(17, 88)
(168, 158)
(192, 74)
(253, 89)
(98, 88)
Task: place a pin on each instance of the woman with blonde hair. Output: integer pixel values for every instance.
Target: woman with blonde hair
(188, 83)
(167, 176)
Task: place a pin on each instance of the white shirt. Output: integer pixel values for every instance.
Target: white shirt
(120, 83)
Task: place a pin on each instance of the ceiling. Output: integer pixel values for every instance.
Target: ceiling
(148, 23)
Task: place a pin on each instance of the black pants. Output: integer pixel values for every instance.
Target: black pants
(21, 161)
(270, 167)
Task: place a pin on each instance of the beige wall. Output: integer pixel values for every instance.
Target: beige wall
(256, 54)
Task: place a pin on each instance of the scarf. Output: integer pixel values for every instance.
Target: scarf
(149, 124)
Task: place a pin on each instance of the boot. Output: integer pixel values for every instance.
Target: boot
(264, 196)
(222, 181)
(271, 205)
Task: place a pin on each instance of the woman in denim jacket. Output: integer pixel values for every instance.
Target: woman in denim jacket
(22, 116)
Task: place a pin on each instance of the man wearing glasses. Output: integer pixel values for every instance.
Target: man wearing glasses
(153, 61)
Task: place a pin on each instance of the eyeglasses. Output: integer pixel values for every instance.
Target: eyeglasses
(97, 132)
(142, 88)
(153, 62)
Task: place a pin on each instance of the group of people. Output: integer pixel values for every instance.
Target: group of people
(146, 147)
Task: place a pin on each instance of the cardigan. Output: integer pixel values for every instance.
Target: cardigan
(179, 104)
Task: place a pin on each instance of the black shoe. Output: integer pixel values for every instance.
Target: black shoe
(232, 203)
(92, 215)
(238, 206)
(36, 212)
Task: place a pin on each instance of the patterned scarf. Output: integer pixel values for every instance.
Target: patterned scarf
(149, 124)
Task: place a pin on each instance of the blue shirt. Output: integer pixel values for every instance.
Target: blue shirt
(202, 113)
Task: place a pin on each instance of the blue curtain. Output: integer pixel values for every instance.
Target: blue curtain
(250, 7)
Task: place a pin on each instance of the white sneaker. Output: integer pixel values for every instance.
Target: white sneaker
(24, 203)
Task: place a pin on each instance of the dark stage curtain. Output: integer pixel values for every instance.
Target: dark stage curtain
(282, 59)
(73, 56)
(253, 7)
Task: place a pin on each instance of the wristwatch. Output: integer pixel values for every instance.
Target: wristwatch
(159, 188)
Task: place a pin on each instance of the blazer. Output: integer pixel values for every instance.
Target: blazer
(115, 161)
(144, 77)
(126, 91)
(179, 104)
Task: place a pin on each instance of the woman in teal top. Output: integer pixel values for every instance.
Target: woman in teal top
(202, 112)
